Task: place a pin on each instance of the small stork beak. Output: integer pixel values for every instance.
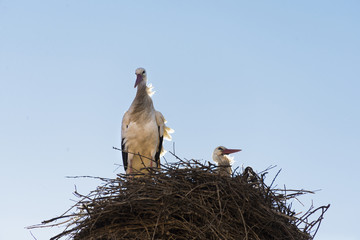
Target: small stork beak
(139, 78)
(229, 151)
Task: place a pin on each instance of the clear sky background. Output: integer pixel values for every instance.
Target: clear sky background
(279, 79)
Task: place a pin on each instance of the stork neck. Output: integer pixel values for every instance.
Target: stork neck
(223, 159)
(141, 89)
(142, 103)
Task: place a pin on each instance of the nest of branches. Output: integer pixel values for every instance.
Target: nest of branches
(188, 200)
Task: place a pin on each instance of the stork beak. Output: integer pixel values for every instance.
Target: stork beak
(229, 151)
(139, 78)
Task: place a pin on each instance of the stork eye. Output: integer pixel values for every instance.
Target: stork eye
(219, 148)
(144, 72)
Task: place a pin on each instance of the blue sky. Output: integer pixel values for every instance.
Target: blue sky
(278, 79)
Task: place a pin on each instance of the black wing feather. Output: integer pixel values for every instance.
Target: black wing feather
(124, 154)
(157, 155)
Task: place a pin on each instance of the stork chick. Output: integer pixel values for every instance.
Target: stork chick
(143, 130)
(223, 160)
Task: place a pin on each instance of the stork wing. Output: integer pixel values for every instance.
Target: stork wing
(159, 150)
(160, 121)
(124, 154)
(164, 132)
(124, 126)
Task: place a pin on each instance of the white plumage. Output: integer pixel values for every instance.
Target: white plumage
(143, 130)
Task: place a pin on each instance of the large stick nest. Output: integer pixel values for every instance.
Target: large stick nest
(188, 200)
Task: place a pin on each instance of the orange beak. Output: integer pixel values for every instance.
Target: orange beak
(229, 151)
(139, 78)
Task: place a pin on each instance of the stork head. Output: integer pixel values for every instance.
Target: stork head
(220, 154)
(140, 76)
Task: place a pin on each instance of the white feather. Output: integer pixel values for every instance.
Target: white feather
(149, 89)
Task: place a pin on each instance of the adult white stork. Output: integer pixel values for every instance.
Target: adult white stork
(143, 130)
(223, 160)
